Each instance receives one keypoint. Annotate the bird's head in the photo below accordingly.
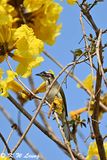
(46, 75)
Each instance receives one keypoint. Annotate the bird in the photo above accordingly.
(56, 92)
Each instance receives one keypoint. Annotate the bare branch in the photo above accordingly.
(63, 135)
(9, 137)
(85, 11)
(86, 44)
(98, 57)
(98, 136)
(4, 141)
(37, 103)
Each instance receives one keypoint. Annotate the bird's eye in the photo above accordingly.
(43, 73)
(47, 74)
(50, 75)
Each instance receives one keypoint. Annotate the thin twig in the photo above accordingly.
(81, 135)
(105, 70)
(98, 57)
(94, 3)
(84, 33)
(7, 141)
(37, 103)
(58, 64)
(89, 18)
(104, 31)
(64, 137)
(88, 50)
(86, 44)
(4, 141)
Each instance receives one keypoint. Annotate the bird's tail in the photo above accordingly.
(66, 129)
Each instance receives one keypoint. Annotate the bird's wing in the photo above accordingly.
(64, 100)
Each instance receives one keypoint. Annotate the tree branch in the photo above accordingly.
(98, 136)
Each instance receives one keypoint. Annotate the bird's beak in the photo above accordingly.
(38, 74)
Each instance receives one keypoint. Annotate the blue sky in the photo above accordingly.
(71, 34)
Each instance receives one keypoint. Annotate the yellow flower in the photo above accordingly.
(10, 84)
(4, 83)
(41, 88)
(5, 27)
(40, 15)
(6, 40)
(27, 51)
(26, 42)
(1, 73)
(103, 99)
(5, 13)
(88, 83)
(26, 64)
(4, 158)
(5, 34)
(71, 2)
(33, 5)
(26, 48)
(76, 113)
(57, 105)
(93, 151)
(43, 19)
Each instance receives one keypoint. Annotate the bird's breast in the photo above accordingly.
(52, 93)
